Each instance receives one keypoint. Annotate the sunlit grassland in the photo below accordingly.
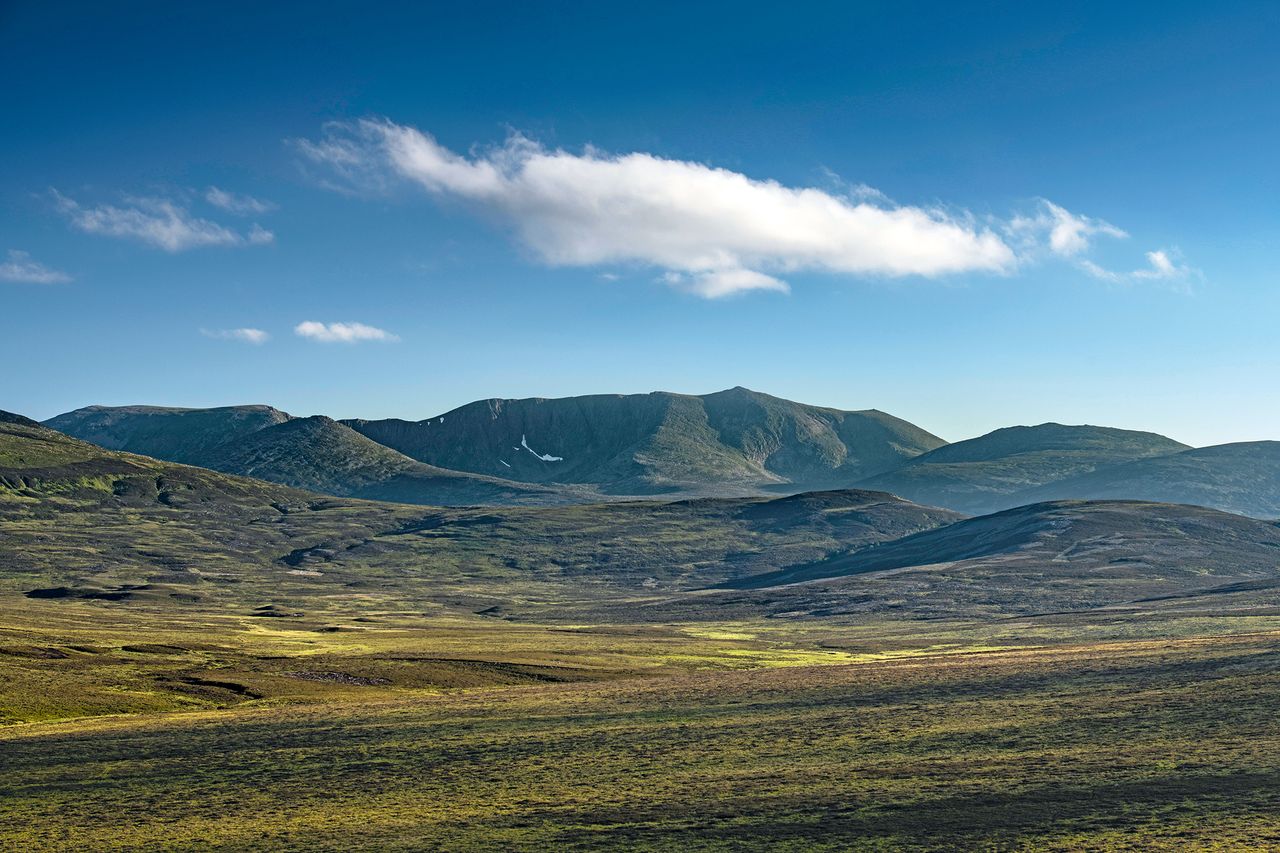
(1133, 743)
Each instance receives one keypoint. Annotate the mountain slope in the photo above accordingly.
(732, 442)
(987, 473)
(176, 435)
(1242, 478)
(321, 455)
(1050, 557)
(84, 522)
(314, 453)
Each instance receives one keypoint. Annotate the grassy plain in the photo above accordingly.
(191, 661)
(701, 738)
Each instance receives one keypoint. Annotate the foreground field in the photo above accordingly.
(1116, 744)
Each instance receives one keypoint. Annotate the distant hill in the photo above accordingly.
(990, 472)
(316, 453)
(1242, 478)
(321, 455)
(188, 436)
(1058, 556)
(732, 442)
(84, 522)
(11, 418)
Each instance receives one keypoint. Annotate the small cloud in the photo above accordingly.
(249, 336)
(718, 283)
(1162, 267)
(21, 268)
(1066, 234)
(158, 222)
(345, 333)
(240, 205)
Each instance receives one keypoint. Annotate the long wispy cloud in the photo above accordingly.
(711, 231)
(241, 205)
(1161, 266)
(21, 268)
(342, 333)
(158, 222)
(246, 335)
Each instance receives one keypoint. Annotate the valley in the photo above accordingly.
(841, 667)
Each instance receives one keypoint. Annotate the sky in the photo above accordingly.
(967, 215)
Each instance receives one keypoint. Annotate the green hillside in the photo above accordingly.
(93, 523)
(315, 453)
(987, 473)
(1045, 558)
(732, 442)
(1242, 478)
(321, 455)
(188, 436)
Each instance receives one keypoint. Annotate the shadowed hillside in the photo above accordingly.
(188, 436)
(1242, 477)
(987, 473)
(315, 453)
(1051, 557)
(321, 455)
(732, 441)
(91, 523)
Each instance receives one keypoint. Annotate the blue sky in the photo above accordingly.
(967, 216)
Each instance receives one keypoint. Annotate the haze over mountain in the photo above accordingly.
(987, 473)
(734, 441)
(1243, 477)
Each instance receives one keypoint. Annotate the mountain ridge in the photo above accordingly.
(985, 474)
(659, 442)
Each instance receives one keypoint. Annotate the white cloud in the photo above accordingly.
(346, 333)
(251, 336)
(1064, 233)
(1161, 267)
(21, 268)
(241, 205)
(156, 221)
(710, 231)
(717, 231)
(717, 283)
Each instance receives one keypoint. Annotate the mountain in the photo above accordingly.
(990, 472)
(321, 455)
(1242, 478)
(176, 435)
(1051, 557)
(11, 418)
(315, 453)
(87, 523)
(731, 442)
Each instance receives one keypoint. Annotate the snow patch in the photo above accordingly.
(545, 457)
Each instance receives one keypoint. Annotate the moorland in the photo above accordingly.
(211, 639)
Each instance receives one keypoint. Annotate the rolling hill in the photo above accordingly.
(732, 442)
(84, 522)
(1243, 478)
(989, 473)
(188, 436)
(321, 455)
(316, 453)
(1056, 557)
